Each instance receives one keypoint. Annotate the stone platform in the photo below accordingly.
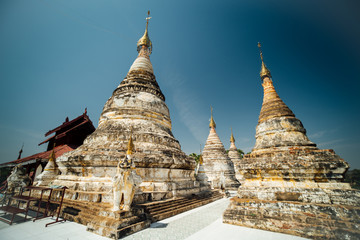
(101, 220)
(296, 192)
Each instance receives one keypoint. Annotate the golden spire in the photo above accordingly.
(52, 154)
(130, 145)
(265, 72)
(51, 165)
(232, 139)
(212, 122)
(201, 160)
(144, 41)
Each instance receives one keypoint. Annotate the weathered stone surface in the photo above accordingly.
(218, 167)
(315, 221)
(290, 185)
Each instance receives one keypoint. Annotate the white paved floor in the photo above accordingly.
(37, 231)
(200, 223)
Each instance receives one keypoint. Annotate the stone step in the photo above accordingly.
(188, 205)
(113, 228)
(159, 207)
(156, 204)
(186, 202)
(164, 209)
(86, 205)
(168, 203)
(115, 223)
(170, 213)
(175, 206)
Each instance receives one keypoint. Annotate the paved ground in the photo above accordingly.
(200, 223)
(204, 223)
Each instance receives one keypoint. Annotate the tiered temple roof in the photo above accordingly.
(70, 132)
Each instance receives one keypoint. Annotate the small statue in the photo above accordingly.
(17, 178)
(125, 181)
(123, 187)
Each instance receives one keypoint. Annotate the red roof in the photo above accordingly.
(59, 150)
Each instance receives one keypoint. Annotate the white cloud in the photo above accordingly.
(330, 144)
(322, 133)
(317, 134)
(186, 106)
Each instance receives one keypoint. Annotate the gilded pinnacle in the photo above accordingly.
(52, 156)
(265, 72)
(130, 149)
(212, 122)
(51, 165)
(232, 139)
(144, 41)
(201, 160)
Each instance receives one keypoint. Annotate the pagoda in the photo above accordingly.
(218, 167)
(137, 111)
(136, 105)
(290, 185)
(235, 157)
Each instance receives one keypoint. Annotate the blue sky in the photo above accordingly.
(58, 57)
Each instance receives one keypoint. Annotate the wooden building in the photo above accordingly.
(66, 137)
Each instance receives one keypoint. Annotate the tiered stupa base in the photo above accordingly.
(314, 221)
(89, 174)
(93, 189)
(221, 179)
(296, 190)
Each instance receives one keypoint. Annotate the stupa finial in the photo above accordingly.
(144, 42)
(52, 156)
(265, 72)
(212, 122)
(232, 139)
